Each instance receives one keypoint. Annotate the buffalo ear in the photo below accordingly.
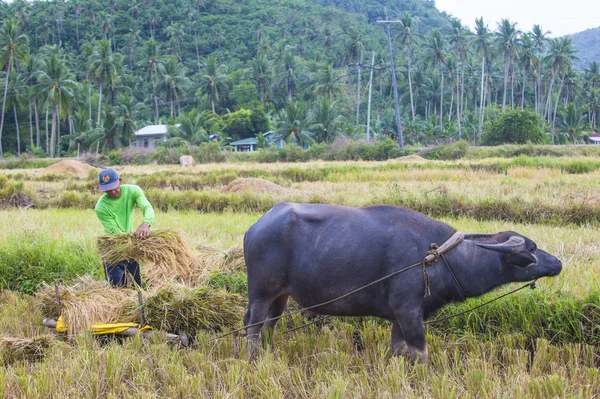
(513, 245)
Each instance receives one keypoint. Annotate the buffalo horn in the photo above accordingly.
(513, 245)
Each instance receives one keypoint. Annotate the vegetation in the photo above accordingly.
(297, 68)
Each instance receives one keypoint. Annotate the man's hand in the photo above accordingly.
(143, 231)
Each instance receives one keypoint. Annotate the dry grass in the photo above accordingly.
(88, 302)
(24, 349)
(178, 308)
(164, 255)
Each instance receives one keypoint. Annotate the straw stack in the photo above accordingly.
(177, 308)
(164, 253)
(88, 302)
(28, 349)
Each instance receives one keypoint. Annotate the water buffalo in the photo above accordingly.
(315, 253)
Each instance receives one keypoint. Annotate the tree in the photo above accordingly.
(55, 80)
(189, 130)
(572, 122)
(515, 126)
(152, 61)
(407, 38)
(561, 54)
(540, 38)
(526, 59)
(327, 82)
(292, 124)
(262, 74)
(172, 82)
(105, 66)
(507, 38)
(213, 81)
(435, 54)
(13, 47)
(326, 120)
(482, 39)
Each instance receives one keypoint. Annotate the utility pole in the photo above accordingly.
(369, 103)
(395, 87)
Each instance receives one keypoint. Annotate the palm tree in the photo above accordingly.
(176, 35)
(13, 47)
(189, 130)
(291, 72)
(327, 82)
(262, 74)
(352, 51)
(293, 123)
(561, 53)
(407, 38)
(592, 97)
(572, 122)
(172, 81)
(213, 81)
(105, 66)
(60, 89)
(592, 74)
(13, 100)
(435, 53)
(540, 37)
(526, 58)
(152, 60)
(459, 41)
(34, 64)
(482, 39)
(507, 38)
(326, 119)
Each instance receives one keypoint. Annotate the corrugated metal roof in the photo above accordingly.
(152, 130)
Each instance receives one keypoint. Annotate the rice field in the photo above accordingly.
(535, 344)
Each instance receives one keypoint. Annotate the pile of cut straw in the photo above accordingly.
(88, 302)
(164, 253)
(29, 349)
(177, 308)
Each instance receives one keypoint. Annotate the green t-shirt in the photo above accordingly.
(116, 215)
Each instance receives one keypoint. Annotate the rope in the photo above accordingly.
(530, 284)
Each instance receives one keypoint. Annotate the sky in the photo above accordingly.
(557, 16)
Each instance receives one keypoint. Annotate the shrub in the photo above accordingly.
(209, 153)
(448, 151)
(515, 126)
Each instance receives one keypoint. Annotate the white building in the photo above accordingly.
(147, 136)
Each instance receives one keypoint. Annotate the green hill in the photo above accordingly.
(588, 45)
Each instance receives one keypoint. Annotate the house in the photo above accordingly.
(147, 136)
(594, 138)
(251, 144)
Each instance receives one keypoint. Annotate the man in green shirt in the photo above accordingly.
(115, 210)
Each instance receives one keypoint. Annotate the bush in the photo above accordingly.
(516, 126)
(448, 151)
(209, 153)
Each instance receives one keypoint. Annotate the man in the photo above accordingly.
(115, 211)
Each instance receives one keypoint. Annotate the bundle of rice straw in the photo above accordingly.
(29, 349)
(177, 308)
(88, 302)
(164, 254)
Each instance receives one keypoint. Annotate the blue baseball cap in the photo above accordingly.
(108, 179)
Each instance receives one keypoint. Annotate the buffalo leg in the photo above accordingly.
(276, 310)
(398, 341)
(413, 330)
(257, 313)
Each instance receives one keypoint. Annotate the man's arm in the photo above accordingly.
(108, 222)
(142, 202)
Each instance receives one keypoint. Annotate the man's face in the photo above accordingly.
(115, 192)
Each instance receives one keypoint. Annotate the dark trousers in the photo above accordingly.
(115, 273)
